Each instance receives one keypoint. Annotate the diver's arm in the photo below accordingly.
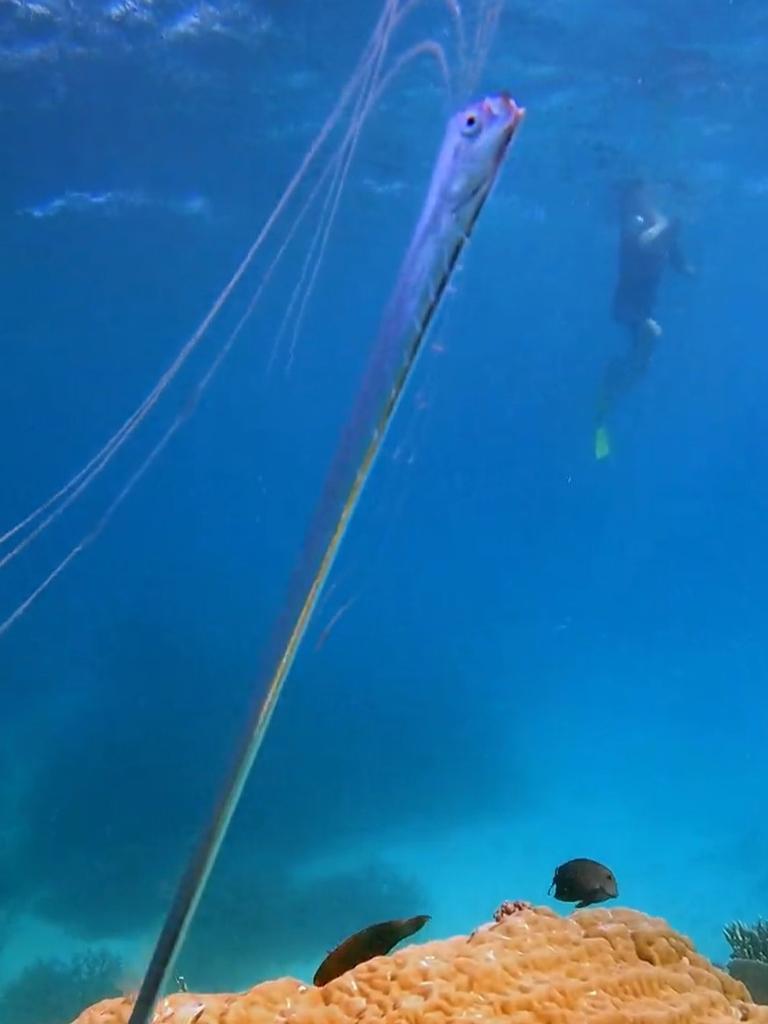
(649, 235)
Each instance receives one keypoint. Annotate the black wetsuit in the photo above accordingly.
(641, 266)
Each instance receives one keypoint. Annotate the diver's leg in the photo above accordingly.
(624, 373)
(617, 377)
(644, 342)
(613, 385)
(621, 375)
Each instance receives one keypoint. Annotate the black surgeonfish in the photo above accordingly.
(584, 882)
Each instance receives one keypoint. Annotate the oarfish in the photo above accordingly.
(474, 146)
(473, 149)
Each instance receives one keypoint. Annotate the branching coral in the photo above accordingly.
(529, 967)
(748, 942)
(53, 991)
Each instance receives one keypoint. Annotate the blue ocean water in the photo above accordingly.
(523, 654)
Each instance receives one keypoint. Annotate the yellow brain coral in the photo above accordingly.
(530, 967)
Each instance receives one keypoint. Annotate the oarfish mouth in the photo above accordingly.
(502, 105)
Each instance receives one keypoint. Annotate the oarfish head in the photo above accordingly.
(478, 137)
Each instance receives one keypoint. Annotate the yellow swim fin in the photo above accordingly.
(602, 443)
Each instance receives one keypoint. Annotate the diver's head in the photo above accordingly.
(477, 139)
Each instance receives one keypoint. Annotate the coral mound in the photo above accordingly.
(529, 967)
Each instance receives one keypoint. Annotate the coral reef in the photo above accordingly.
(748, 942)
(53, 991)
(530, 966)
(753, 974)
(749, 963)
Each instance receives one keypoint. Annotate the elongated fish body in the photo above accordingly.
(474, 146)
(376, 940)
(473, 149)
(467, 165)
(475, 143)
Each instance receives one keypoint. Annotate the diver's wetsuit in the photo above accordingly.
(641, 265)
(647, 244)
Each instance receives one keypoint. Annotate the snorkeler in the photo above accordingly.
(648, 242)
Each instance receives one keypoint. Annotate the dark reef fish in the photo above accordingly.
(583, 881)
(376, 940)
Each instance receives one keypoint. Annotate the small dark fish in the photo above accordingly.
(376, 940)
(585, 881)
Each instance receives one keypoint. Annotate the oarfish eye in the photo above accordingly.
(470, 125)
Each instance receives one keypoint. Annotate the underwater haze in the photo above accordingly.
(524, 653)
